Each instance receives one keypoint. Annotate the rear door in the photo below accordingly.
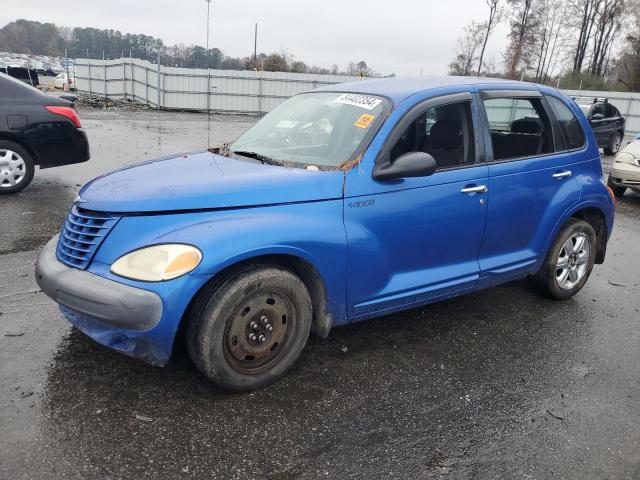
(530, 182)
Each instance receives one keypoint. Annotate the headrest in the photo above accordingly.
(445, 133)
(526, 125)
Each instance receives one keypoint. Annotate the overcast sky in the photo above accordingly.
(397, 36)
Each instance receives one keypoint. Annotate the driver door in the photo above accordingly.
(414, 240)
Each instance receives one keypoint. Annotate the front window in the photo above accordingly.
(320, 129)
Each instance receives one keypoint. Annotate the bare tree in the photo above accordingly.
(551, 38)
(495, 12)
(607, 26)
(524, 31)
(467, 47)
(586, 11)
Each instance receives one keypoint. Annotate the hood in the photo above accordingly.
(205, 180)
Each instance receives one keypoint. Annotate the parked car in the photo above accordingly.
(35, 129)
(61, 80)
(606, 122)
(625, 172)
(26, 75)
(346, 203)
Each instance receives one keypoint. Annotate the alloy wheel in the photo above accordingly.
(573, 261)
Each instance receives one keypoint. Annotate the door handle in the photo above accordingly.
(561, 175)
(478, 189)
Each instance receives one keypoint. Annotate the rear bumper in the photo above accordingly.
(73, 148)
(110, 303)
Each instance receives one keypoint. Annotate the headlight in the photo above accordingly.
(158, 263)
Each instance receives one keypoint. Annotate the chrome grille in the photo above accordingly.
(81, 235)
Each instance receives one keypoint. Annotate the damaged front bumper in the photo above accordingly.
(113, 314)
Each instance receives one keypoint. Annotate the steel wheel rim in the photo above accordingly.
(258, 331)
(573, 261)
(13, 168)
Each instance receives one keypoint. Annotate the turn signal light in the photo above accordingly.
(613, 196)
(68, 112)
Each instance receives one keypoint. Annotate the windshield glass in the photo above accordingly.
(585, 108)
(324, 129)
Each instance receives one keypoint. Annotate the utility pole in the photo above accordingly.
(255, 48)
(208, 78)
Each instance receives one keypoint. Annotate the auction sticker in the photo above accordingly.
(364, 121)
(363, 101)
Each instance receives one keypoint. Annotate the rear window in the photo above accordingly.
(572, 132)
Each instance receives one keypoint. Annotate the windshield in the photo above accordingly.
(585, 108)
(323, 129)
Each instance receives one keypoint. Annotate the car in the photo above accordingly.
(342, 204)
(625, 172)
(26, 75)
(35, 129)
(607, 123)
(61, 82)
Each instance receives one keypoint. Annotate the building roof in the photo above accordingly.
(399, 88)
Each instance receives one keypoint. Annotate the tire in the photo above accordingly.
(616, 189)
(13, 159)
(226, 315)
(549, 279)
(614, 146)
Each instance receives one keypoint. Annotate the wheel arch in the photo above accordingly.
(322, 319)
(15, 139)
(595, 217)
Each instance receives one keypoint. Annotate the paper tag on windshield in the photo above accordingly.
(364, 121)
(362, 101)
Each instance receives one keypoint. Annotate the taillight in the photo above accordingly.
(68, 112)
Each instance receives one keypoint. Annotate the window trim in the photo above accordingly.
(517, 94)
(585, 141)
(420, 108)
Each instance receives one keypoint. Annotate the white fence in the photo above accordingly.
(186, 89)
(233, 91)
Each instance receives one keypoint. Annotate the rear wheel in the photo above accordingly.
(617, 190)
(16, 167)
(614, 146)
(569, 262)
(245, 332)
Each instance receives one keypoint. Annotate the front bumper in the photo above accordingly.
(111, 303)
(115, 315)
(625, 175)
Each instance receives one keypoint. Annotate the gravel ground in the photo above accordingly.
(496, 384)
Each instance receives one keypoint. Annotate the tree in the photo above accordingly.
(607, 26)
(586, 11)
(523, 35)
(467, 47)
(495, 12)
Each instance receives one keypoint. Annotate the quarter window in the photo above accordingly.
(445, 132)
(569, 125)
(519, 128)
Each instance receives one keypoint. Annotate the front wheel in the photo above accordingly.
(617, 190)
(569, 262)
(246, 331)
(16, 167)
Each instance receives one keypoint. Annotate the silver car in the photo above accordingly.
(625, 172)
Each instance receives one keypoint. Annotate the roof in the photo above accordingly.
(399, 88)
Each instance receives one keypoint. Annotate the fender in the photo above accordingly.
(312, 231)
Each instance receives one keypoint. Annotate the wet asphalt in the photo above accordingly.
(497, 384)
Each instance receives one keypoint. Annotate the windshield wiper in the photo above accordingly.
(259, 157)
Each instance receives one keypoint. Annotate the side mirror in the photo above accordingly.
(597, 117)
(412, 164)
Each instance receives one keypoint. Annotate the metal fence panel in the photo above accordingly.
(244, 91)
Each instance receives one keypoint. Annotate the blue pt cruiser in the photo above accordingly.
(342, 204)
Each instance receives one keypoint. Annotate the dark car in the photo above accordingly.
(606, 122)
(35, 129)
(26, 75)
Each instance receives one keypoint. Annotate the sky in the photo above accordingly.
(404, 37)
